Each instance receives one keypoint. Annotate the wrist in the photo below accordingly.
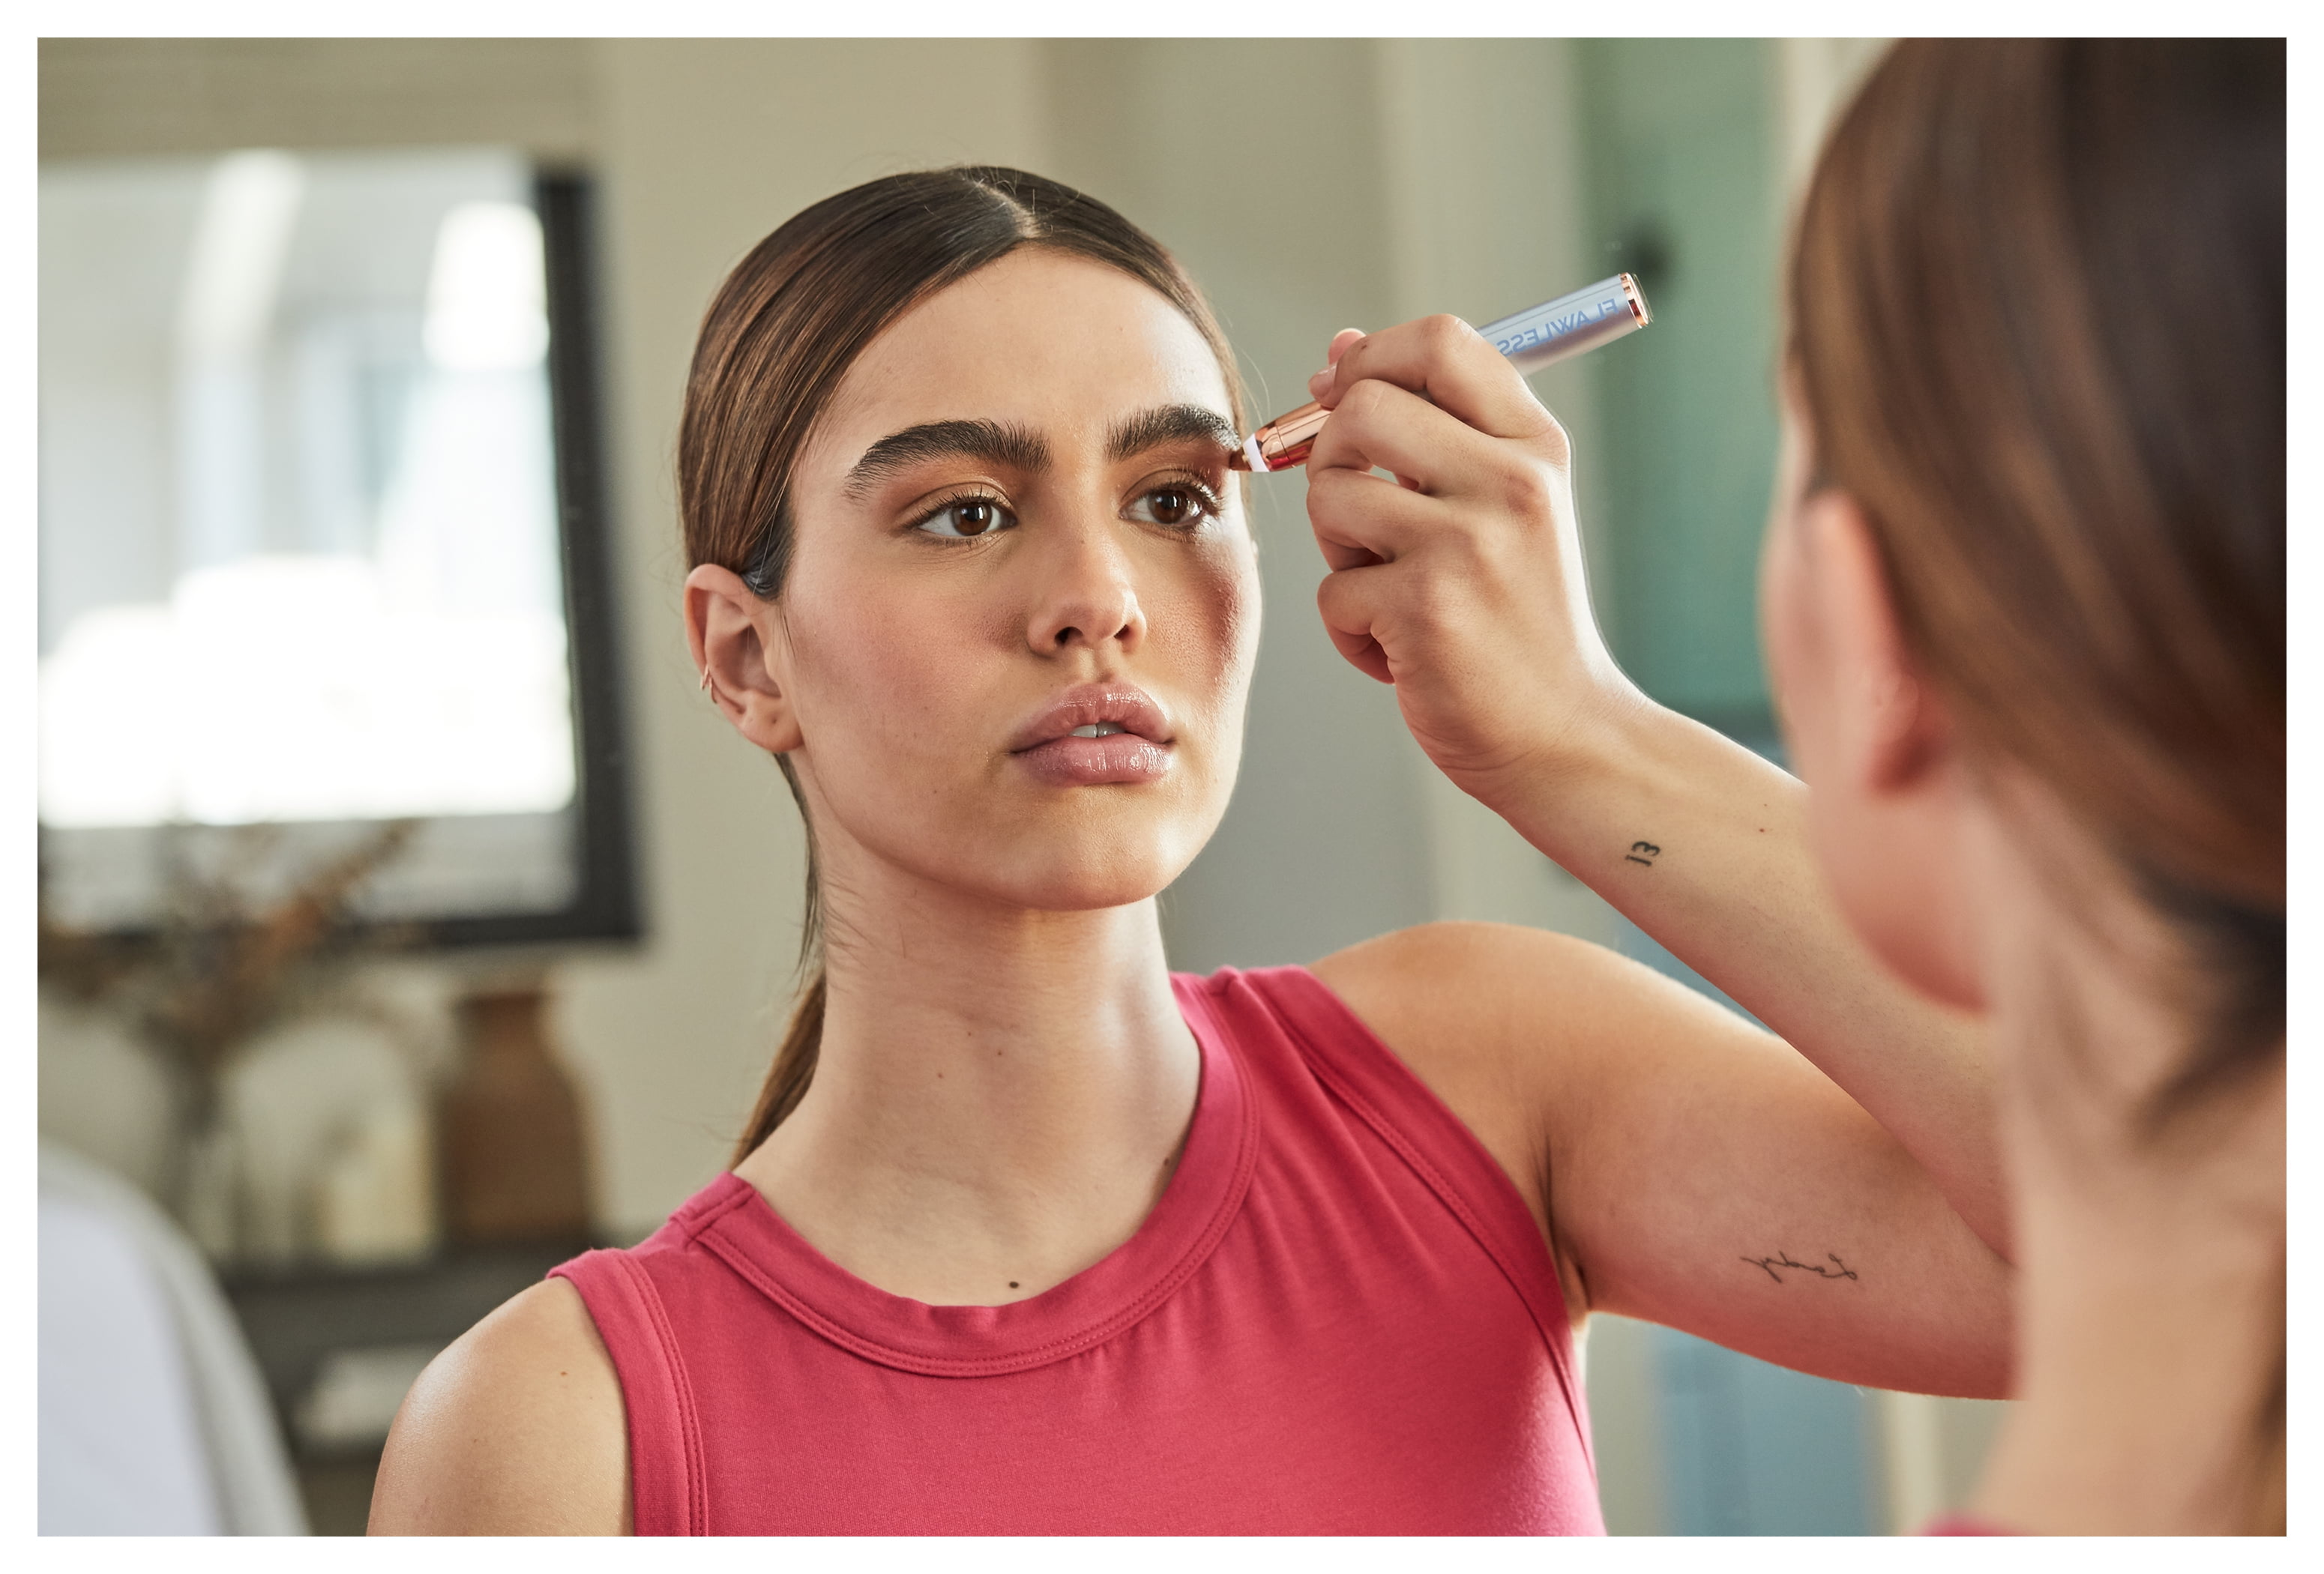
(1590, 744)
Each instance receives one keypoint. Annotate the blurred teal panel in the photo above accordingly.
(1753, 1450)
(1683, 192)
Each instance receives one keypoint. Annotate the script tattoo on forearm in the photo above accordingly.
(1839, 1270)
(1648, 849)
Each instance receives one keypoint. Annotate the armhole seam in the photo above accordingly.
(1557, 1333)
(656, 1395)
(695, 1490)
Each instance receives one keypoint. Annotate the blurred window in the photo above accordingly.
(300, 559)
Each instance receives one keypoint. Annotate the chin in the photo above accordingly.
(1066, 873)
(1078, 893)
(1039, 859)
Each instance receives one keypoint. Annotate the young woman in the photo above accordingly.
(2024, 611)
(1028, 1235)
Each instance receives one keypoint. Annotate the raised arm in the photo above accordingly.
(1687, 1167)
(1464, 587)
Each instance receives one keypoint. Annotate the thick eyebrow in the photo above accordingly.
(1168, 423)
(994, 442)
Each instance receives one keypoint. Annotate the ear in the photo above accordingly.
(738, 639)
(1893, 733)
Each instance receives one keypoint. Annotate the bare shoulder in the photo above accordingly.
(1467, 1007)
(518, 1428)
(1501, 1005)
(1473, 975)
(1513, 1029)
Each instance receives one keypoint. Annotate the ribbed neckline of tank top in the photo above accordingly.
(732, 1220)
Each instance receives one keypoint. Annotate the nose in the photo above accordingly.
(1087, 594)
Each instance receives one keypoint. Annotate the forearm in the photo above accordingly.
(1462, 584)
(1704, 845)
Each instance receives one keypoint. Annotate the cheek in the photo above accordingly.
(1872, 860)
(882, 667)
(1789, 642)
(1899, 883)
(1203, 620)
(1224, 603)
(1839, 824)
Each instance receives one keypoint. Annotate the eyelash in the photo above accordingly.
(1207, 499)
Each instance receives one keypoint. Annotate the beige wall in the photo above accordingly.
(167, 96)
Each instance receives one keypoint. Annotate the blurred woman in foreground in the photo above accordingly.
(2024, 602)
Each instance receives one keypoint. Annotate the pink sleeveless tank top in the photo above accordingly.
(1340, 1318)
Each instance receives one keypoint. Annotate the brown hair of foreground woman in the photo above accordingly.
(782, 331)
(2038, 304)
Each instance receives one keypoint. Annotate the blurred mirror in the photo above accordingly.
(301, 555)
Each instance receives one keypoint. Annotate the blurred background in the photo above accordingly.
(373, 986)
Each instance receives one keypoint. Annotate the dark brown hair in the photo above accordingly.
(2037, 317)
(778, 337)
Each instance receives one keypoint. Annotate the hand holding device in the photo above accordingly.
(1461, 581)
(1538, 336)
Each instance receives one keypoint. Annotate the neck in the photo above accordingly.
(2149, 1347)
(999, 1097)
(2151, 1286)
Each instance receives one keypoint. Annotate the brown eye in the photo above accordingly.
(1179, 507)
(966, 518)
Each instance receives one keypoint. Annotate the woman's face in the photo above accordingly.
(1018, 626)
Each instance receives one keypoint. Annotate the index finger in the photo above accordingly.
(1449, 363)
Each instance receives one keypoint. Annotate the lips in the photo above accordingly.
(1134, 742)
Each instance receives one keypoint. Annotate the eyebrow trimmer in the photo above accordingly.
(1531, 339)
